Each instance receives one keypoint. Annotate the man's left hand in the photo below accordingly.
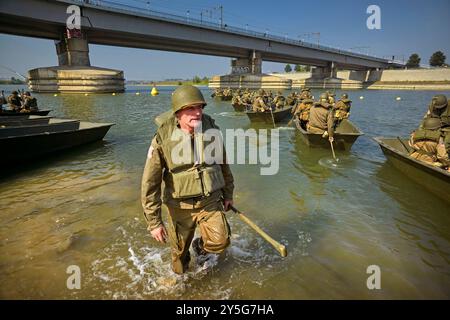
(227, 203)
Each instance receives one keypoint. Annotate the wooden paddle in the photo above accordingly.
(278, 246)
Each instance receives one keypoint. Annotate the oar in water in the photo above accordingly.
(278, 246)
(273, 120)
(290, 121)
(332, 149)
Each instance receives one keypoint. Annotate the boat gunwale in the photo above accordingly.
(408, 157)
(304, 132)
(101, 125)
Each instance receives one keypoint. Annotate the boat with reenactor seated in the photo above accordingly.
(270, 117)
(9, 113)
(434, 179)
(345, 135)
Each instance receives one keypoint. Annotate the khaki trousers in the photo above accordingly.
(213, 227)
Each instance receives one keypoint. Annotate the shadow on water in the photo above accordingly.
(93, 151)
(421, 219)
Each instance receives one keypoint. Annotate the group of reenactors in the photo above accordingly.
(430, 142)
(18, 101)
(224, 94)
(321, 117)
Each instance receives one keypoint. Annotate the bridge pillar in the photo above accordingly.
(74, 73)
(252, 64)
(330, 71)
(73, 52)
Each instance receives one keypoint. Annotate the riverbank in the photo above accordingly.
(415, 79)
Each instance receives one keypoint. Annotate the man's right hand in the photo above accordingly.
(159, 234)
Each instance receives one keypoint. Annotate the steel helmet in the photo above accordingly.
(431, 123)
(185, 96)
(439, 101)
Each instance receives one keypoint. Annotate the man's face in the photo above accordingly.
(191, 116)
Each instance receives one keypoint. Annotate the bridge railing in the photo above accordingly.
(125, 8)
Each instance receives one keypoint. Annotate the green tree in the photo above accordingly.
(298, 68)
(437, 59)
(413, 61)
(288, 68)
(196, 79)
(16, 81)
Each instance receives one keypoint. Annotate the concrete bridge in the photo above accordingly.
(120, 25)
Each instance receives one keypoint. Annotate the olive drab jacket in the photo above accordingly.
(321, 119)
(444, 116)
(302, 111)
(428, 146)
(259, 105)
(187, 185)
(342, 109)
(30, 103)
(14, 102)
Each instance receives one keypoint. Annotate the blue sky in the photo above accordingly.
(407, 26)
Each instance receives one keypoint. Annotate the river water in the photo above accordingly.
(82, 208)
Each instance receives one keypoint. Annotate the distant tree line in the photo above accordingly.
(12, 81)
(437, 59)
(297, 68)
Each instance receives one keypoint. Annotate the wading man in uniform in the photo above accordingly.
(196, 193)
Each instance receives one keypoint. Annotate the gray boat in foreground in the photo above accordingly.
(434, 179)
(20, 143)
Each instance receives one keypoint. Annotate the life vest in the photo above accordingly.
(429, 135)
(445, 117)
(189, 179)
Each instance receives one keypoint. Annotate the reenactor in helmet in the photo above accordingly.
(302, 111)
(2, 100)
(291, 99)
(342, 108)
(428, 144)
(279, 100)
(331, 96)
(259, 103)
(14, 101)
(321, 118)
(305, 94)
(439, 108)
(196, 192)
(29, 103)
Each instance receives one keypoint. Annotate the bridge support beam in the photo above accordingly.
(330, 71)
(252, 64)
(73, 52)
(326, 78)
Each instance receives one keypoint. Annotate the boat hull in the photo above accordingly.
(25, 147)
(266, 117)
(19, 114)
(344, 136)
(435, 180)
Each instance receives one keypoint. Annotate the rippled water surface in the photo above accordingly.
(82, 208)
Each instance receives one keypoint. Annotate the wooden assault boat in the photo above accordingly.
(435, 180)
(344, 136)
(278, 115)
(20, 143)
(9, 113)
